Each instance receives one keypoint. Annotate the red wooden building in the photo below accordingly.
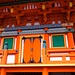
(37, 37)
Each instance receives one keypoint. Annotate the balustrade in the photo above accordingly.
(51, 56)
(63, 56)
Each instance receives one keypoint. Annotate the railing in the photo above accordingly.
(51, 56)
(62, 56)
(5, 53)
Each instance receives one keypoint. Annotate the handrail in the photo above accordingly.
(61, 55)
(9, 51)
(60, 50)
(5, 53)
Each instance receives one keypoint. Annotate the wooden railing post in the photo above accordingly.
(44, 56)
(5, 54)
(44, 52)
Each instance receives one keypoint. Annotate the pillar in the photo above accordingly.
(45, 47)
(46, 37)
(17, 48)
(70, 40)
(44, 56)
(45, 71)
(47, 40)
(71, 43)
(3, 71)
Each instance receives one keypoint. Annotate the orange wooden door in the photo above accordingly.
(32, 49)
(27, 52)
(36, 50)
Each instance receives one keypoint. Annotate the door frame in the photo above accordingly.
(29, 36)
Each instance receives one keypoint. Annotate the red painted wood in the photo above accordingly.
(27, 51)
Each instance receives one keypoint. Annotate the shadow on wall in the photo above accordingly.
(30, 73)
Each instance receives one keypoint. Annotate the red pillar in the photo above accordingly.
(46, 37)
(71, 43)
(3, 72)
(70, 40)
(17, 48)
(45, 71)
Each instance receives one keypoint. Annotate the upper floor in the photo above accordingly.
(37, 13)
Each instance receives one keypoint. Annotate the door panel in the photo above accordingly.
(36, 51)
(27, 52)
(32, 49)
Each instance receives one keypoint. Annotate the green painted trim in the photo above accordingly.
(58, 40)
